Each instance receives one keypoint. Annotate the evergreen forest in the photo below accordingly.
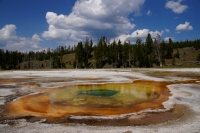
(149, 53)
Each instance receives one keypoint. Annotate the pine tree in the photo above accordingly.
(119, 54)
(169, 49)
(149, 51)
(101, 52)
(163, 49)
(130, 55)
(125, 54)
(149, 43)
(98, 54)
(87, 52)
(140, 53)
(114, 53)
(79, 55)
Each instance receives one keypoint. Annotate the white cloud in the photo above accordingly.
(8, 32)
(142, 34)
(149, 13)
(10, 41)
(92, 18)
(167, 30)
(167, 39)
(176, 6)
(122, 38)
(185, 26)
(35, 37)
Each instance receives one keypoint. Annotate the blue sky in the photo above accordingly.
(38, 24)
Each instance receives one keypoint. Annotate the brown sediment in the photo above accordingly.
(14, 80)
(142, 119)
(40, 105)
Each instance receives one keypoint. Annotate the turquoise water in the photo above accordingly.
(98, 92)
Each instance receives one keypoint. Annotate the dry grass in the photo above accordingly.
(187, 55)
(68, 59)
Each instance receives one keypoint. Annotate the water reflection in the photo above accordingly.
(101, 95)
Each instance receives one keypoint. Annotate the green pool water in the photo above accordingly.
(98, 92)
(101, 95)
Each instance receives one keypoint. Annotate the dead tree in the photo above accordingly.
(157, 49)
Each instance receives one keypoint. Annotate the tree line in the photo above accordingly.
(119, 54)
(50, 58)
(116, 54)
